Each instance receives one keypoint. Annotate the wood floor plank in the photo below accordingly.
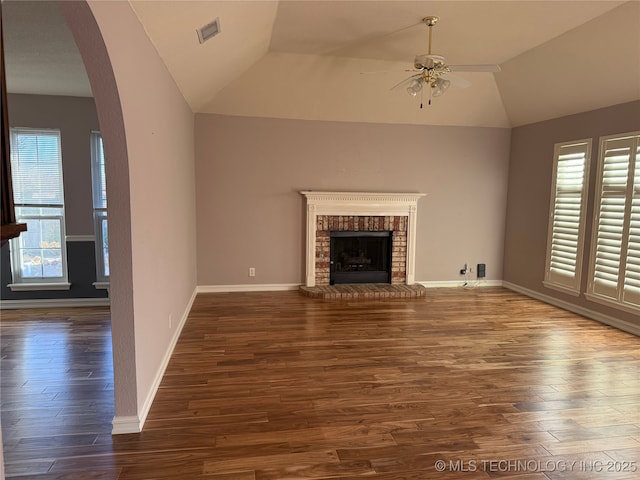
(275, 385)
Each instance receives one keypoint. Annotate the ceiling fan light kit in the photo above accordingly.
(433, 71)
(440, 86)
(415, 86)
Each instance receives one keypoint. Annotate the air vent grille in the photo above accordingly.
(209, 31)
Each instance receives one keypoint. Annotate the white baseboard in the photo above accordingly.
(461, 284)
(277, 287)
(54, 303)
(585, 312)
(135, 424)
(130, 424)
(254, 287)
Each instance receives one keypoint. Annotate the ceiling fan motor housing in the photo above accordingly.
(428, 61)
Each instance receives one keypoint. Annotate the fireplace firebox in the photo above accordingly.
(360, 257)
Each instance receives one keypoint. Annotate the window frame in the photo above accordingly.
(99, 210)
(631, 194)
(558, 280)
(19, 281)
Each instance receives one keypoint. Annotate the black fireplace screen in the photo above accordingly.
(360, 257)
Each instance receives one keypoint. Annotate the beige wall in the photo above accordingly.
(250, 214)
(159, 132)
(148, 133)
(530, 177)
(76, 118)
(558, 78)
(91, 45)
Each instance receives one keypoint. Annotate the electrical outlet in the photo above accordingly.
(170, 320)
(482, 270)
(252, 272)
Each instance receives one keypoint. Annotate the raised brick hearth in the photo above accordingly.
(364, 291)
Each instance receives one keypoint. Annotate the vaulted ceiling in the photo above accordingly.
(312, 59)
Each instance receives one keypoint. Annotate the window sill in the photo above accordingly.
(101, 285)
(626, 307)
(28, 287)
(561, 288)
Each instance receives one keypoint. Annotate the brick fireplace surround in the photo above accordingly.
(397, 225)
(361, 211)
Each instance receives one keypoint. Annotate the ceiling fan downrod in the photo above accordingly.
(430, 21)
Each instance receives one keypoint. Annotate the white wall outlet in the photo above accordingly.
(252, 272)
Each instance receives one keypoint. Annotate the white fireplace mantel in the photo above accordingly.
(361, 204)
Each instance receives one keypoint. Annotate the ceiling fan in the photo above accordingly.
(434, 73)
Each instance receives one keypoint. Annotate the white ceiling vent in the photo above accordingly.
(209, 31)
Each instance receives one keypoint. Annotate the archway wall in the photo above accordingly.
(148, 132)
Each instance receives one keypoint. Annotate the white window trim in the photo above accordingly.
(562, 288)
(21, 283)
(617, 303)
(80, 238)
(97, 222)
(99, 213)
(581, 146)
(26, 287)
(15, 261)
(602, 300)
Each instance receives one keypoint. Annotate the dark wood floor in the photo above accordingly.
(280, 386)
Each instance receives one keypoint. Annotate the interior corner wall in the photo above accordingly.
(76, 118)
(530, 176)
(249, 172)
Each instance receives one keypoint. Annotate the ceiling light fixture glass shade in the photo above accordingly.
(415, 86)
(439, 87)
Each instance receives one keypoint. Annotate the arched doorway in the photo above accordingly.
(86, 32)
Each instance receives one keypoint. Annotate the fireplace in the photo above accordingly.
(332, 215)
(360, 257)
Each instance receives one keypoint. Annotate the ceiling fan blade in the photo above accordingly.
(474, 68)
(457, 81)
(391, 71)
(378, 71)
(379, 37)
(406, 81)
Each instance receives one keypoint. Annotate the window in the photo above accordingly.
(38, 256)
(615, 257)
(100, 207)
(567, 216)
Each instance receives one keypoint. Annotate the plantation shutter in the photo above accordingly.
(616, 242)
(36, 167)
(631, 293)
(566, 219)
